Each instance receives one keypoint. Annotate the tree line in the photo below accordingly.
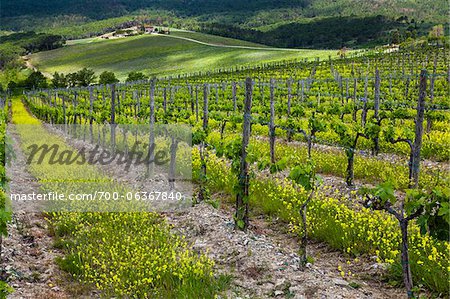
(83, 77)
(328, 33)
(17, 44)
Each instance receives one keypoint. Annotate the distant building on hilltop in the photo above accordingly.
(150, 29)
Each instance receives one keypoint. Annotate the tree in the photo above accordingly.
(12, 85)
(136, 76)
(72, 79)
(85, 77)
(436, 33)
(342, 53)
(107, 78)
(59, 80)
(35, 80)
(9, 55)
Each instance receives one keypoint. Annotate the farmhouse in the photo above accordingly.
(150, 29)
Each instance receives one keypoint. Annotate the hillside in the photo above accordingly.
(181, 52)
(100, 9)
(267, 20)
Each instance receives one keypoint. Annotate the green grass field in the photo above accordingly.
(213, 39)
(162, 55)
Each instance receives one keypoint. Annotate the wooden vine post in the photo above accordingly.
(138, 103)
(289, 87)
(64, 113)
(173, 159)
(118, 106)
(91, 111)
(355, 95)
(347, 89)
(432, 79)
(407, 86)
(50, 103)
(191, 96)
(417, 146)
(165, 100)
(172, 95)
(234, 96)
(113, 117)
(151, 142)
(196, 103)
(363, 114)
(272, 122)
(203, 193)
(302, 98)
(72, 120)
(376, 139)
(448, 75)
(205, 107)
(217, 93)
(241, 217)
(390, 84)
(261, 91)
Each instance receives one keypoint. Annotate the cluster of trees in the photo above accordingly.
(33, 42)
(34, 80)
(86, 77)
(207, 9)
(9, 56)
(329, 33)
(100, 9)
(335, 32)
(83, 77)
(14, 45)
(437, 34)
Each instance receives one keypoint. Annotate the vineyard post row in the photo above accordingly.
(415, 145)
(48, 101)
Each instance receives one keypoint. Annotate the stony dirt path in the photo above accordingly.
(264, 261)
(28, 251)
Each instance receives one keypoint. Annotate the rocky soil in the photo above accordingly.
(265, 264)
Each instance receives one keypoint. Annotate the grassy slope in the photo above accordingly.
(202, 37)
(160, 55)
(214, 39)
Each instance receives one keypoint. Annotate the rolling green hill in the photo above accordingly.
(162, 55)
(266, 20)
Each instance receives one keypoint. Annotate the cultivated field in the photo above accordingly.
(162, 55)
